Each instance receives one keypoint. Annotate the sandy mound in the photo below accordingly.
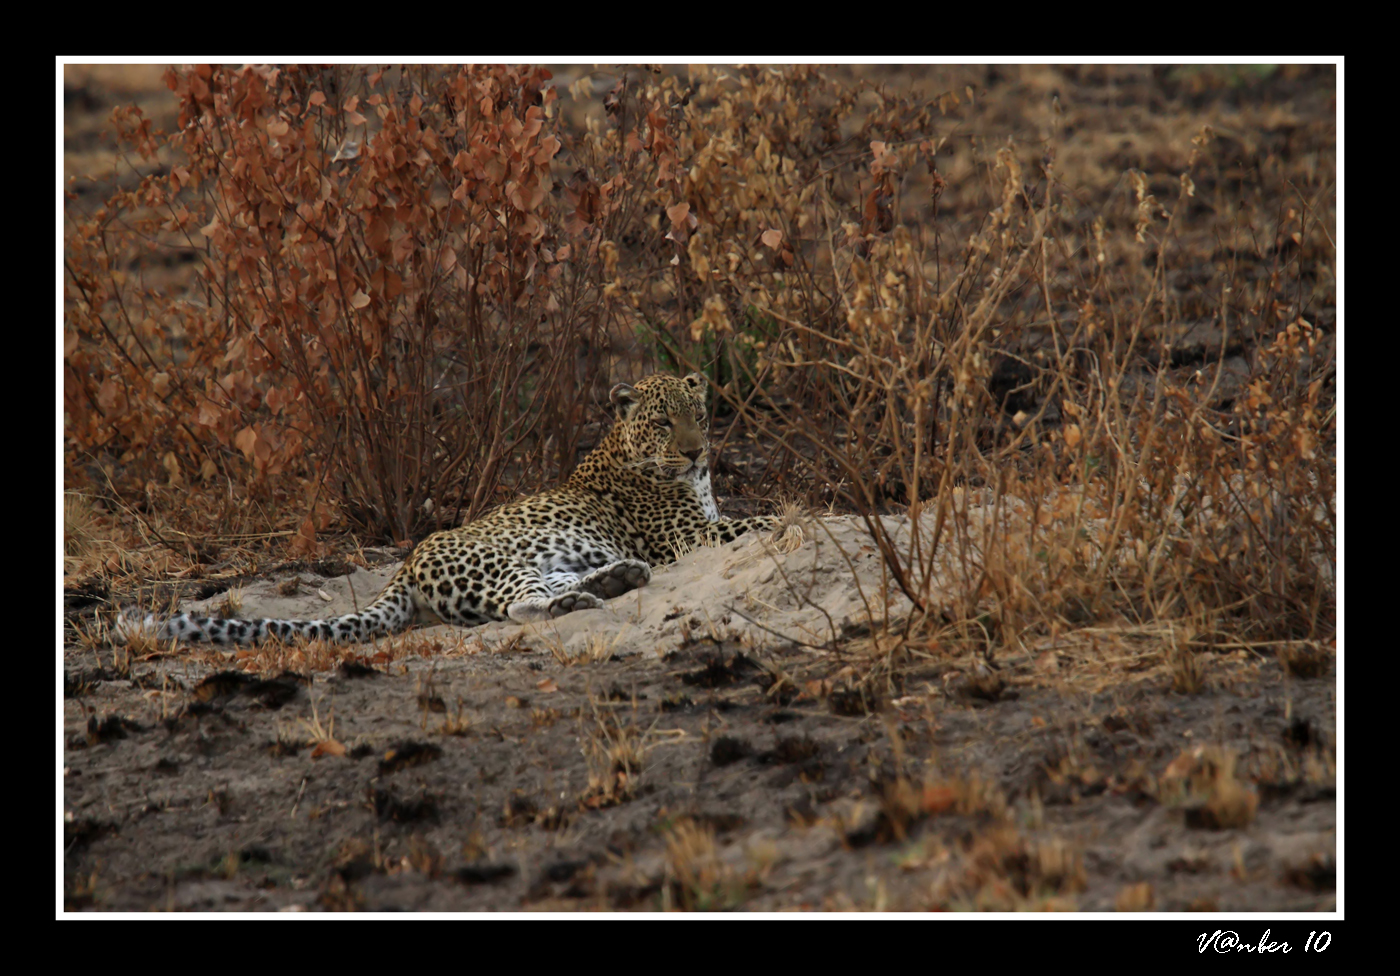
(835, 576)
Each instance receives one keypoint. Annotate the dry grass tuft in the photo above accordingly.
(1006, 871)
(92, 542)
(79, 527)
(1305, 659)
(1136, 898)
(596, 649)
(614, 752)
(697, 878)
(1188, 671)
(1201, 782)
(231, 605)
(792, 529)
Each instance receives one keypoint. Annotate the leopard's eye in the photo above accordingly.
(662, 422)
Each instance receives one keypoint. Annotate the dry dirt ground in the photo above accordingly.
(705, 742)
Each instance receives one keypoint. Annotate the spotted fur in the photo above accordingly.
(640, 499)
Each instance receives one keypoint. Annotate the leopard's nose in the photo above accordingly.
(694, 453)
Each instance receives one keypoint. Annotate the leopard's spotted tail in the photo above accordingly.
(390, 613)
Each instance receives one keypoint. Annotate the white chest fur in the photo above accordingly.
(698, 477)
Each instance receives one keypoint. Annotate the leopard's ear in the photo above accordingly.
(626, 396)
(695, 381)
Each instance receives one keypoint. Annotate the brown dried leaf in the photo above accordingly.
(246, 440)
(327, 747)
(304, 542)
(938, 799)
(677, 214)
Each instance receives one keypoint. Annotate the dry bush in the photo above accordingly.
(1082, 421)
(1026, 348)
(1141, 503)
(385, 301)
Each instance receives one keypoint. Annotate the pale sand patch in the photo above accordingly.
(836, 576)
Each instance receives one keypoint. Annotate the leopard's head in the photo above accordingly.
(663, 428)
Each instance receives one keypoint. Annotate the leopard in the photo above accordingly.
(641, 498)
